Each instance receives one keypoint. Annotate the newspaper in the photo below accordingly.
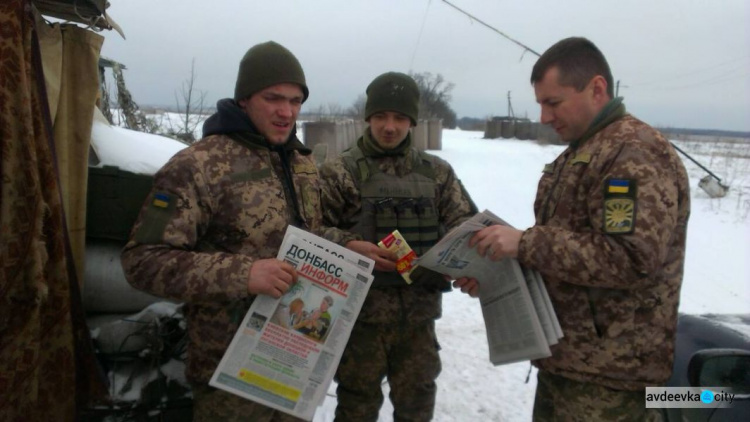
(518, 315)
(286, 351)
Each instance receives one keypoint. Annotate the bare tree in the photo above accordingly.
(190, 108)
(357, 109)
(335, 110)
(434, 98)
(328, 112)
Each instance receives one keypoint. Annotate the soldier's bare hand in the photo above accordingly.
(467, 285)
(270, 277)
(497, 242)
(384, 260)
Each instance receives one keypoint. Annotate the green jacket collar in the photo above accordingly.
(612, 111)
(370, 147)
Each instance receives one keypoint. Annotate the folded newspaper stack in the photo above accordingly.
(518, 315)
(286, 351)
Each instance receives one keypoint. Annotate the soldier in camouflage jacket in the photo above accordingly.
(609, 239)
(380, 184)
(209, 232)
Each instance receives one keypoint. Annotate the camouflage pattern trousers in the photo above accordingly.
(406, 354)
(211, 404)
(561, 399)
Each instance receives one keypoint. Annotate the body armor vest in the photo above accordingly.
(389, 202)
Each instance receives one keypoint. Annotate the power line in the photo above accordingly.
(712, 80)
(708, 82)
(683, 75)
(419, 38)
(491, 27)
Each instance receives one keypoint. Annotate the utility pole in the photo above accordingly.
(510, 107)
(617, 88)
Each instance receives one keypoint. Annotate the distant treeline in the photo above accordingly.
(159, 109)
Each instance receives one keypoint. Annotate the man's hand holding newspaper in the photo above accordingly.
(497, 242)
(518, 315)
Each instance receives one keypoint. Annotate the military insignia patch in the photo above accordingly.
(156, 217)
(618, 186)
(581, 158)
(619, 215)
(619, 206)
(305, 168)
(161, 200)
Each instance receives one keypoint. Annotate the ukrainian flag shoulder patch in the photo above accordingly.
(161, 200)
(618, 186)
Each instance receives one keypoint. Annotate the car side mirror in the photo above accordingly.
(721, 368)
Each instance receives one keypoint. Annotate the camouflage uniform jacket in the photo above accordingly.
(342, 208)
(215, 208)
(609, 239)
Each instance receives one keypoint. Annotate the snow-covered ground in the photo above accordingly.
(501, 175)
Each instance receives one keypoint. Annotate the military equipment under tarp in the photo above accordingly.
(106, 289)
(113, 202)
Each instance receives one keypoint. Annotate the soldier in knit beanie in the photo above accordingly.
(265, 65)
(380, 185)
(393, 91)
(219, 208)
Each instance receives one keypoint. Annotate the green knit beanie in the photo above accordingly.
(265, 65)
(393, 91)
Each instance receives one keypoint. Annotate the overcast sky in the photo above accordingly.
(681, 63)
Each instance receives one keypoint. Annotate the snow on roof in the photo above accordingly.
(137, 152)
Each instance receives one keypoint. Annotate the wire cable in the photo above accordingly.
(715, 80)
(683, 75)
(491, 27)
(419, 37)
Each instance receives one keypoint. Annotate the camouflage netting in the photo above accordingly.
(134, 117)
(105, 99)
